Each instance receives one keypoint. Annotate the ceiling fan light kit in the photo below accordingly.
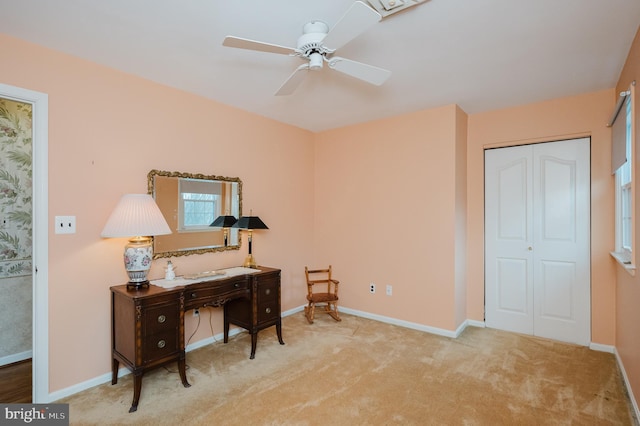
(315, 61)
(317, 45)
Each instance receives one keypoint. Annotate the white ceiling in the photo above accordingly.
(479, 54)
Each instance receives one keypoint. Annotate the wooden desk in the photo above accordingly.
(147, 325)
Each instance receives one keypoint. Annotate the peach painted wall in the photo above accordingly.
(628, 286)
(107, 129)
(386, 212)
(566, 118)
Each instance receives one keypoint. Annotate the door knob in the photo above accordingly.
(530, 248)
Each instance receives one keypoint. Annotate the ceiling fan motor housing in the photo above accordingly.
(310, 43)
(315, 27)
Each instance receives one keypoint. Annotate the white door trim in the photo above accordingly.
(40, 273)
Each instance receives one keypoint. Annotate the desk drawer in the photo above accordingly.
(159, 345)
(208, 295)
(160, 331)
(268, 311)
(160, 319)
(268, 291)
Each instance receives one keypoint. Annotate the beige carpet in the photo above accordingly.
(362, 372)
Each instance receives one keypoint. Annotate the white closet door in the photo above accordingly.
(509, 239)
(537, 239)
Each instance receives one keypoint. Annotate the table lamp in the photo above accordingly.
(138, 217)
(224, 222)
(250, 223)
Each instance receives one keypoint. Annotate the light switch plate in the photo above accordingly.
(65, 224)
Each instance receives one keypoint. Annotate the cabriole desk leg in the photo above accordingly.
(114, 371)
(254, 343)
(183, 373)
(226, 329)
(279, 332)
(137, 387)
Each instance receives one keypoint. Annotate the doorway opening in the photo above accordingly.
(39, 235)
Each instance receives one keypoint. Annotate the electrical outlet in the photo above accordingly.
(65, 224)
(196, 312)
(372, 288)
(389, 289)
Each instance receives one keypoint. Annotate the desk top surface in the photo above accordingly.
(179, 283)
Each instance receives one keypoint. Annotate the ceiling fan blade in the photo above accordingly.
(294, 80)
(245, 43)
(368, 73)
(357, 20)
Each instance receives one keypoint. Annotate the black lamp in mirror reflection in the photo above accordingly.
(224, 222)
(250, 223)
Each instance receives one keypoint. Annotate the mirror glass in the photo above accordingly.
(190, 203)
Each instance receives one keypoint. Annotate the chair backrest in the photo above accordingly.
(321, 276)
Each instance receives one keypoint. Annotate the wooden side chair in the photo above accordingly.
(321, 289)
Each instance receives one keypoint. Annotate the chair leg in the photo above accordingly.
(309, 311)
(333, 312)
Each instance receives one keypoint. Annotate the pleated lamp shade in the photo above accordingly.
(136, 215)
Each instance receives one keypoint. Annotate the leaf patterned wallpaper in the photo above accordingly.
(15, 188)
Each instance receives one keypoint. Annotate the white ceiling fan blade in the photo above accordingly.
(245, 43)
(357, 20)
(368, 73)
(294, 80)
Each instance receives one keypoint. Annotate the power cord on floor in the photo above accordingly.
(213, 335)
(194, 331)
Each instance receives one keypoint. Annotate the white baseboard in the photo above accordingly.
(407, 324)
(402, 323)
(10, 359)
(82, 386)
(627, 384)
(602, 348)
(293, 311)
(475, 323)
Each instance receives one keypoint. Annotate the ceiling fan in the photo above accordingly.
(318, 44)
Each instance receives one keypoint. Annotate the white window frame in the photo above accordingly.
(625, 184)
(197, 191)
(208, 202)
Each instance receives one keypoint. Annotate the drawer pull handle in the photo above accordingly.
(237, 285)
(162, 319)
(268, 310)
(194, 295)
(162, 344)
(267, 291)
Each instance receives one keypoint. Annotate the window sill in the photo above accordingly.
(624, 261)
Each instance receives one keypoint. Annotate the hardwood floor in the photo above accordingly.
(16, 383)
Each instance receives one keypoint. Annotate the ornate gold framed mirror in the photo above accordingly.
(190, 203)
